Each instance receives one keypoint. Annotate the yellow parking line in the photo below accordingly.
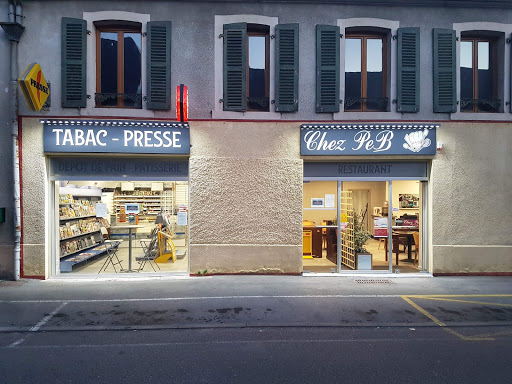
(464, 301)
(495, 295)
(494, 334)
(431, 317)
(441, 324)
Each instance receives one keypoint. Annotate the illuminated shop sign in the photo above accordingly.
(371, 139)
(104, 168)
(83, 136)
(381, 170)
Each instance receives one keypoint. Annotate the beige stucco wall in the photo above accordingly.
(245, 198)
(472, 199)
(34, 190)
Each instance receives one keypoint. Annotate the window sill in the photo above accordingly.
(468, 116)
(122, 112)
(249, 115)
(389, 115)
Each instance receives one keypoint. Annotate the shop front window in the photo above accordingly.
(113, 226)
(348, 230)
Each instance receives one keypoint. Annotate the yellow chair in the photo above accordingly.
(166, 248)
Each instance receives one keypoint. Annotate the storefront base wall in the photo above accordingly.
(245, 215)
(33, 260)
(33, 193)
(246, 259)
(6, 261)
(472, 259)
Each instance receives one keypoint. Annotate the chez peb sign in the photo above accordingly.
(104, 136)
(368, 139)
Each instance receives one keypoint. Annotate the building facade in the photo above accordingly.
(298, 113)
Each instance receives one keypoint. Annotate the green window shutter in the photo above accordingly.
(445, 91)
(235, 67)
(158, 57)
(287, 68)
(74, 63)
(408, 70)
(327, 68)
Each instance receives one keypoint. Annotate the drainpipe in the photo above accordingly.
(14, 30)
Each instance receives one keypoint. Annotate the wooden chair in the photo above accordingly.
(416, 236)
(396, 244)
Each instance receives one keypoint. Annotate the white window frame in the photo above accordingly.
(392, 26)
(505, 85)
(90, 18)
(218, 112)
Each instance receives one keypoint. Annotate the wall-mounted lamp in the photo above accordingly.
(439, 145)
(182, 103)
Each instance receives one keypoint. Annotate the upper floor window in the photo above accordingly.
(257, 74)
(365, 72)
(355, 71)
(478, 74)
(118, 65)
(114, 70)
(258, 40)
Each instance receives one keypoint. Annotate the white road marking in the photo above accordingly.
(16, 343)
(205, 298)
(47, 318)
(203, 343)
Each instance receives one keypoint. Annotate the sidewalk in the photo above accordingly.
(254, 301)
(240, 285)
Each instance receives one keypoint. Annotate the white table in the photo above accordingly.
(130, 228)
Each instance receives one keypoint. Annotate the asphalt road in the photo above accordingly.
(257, 330)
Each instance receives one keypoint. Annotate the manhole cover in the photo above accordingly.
(372, 281)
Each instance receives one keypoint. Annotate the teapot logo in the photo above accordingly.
(416, 141)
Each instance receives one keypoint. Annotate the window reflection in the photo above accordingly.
(353, 73)
(109, 65)
(257, 76)
(132, 67)
(374, 74)
(485, 76)
(466, 73)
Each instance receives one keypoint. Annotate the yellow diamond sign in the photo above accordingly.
(34, 86)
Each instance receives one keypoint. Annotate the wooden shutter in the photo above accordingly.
(158, 57)
(445, 92)
(327, 68)
(74, 63)
(287, 68)
(408, 70)
(235, 67)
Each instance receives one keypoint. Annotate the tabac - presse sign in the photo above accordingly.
(104, 136)
(34, 87)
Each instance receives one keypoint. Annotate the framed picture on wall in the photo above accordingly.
(317, 202)
(410, 200)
